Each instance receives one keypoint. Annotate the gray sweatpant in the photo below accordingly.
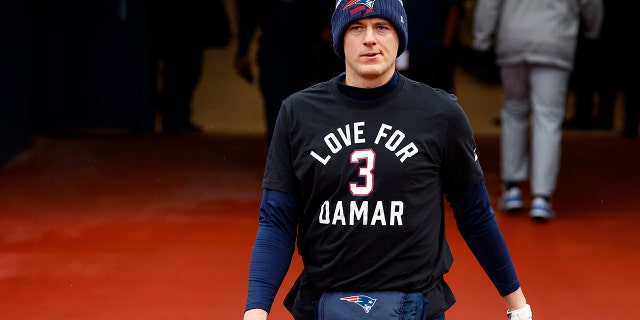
(534, 95)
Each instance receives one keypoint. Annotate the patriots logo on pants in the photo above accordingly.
(364, 301)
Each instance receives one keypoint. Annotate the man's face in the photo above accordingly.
(370, 50)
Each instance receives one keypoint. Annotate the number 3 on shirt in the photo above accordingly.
(364, 171)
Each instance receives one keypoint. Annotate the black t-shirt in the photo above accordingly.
(371, 178)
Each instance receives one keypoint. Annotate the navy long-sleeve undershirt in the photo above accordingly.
(476, 222)
(273, 248)
(275, 241)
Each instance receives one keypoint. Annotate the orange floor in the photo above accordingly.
(153, 227)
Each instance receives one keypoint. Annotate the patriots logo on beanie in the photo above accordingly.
(354, 10)
(361, 5)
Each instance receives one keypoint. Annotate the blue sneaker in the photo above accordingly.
(511, 200)
(541, 210)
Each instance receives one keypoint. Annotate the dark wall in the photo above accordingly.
(93, 66)
(16, 129)
(72, 65)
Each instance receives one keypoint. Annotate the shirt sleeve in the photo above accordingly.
(273, 248)
(476, 222)
(461, 167)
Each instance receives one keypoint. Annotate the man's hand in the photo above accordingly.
(255, 314)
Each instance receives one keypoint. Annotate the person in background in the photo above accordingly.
(431, 51)
(180, 32)
(605, 67)
(590, 81)
(290, 31)
(535, 43)
(357, 175)
(596, 64)
(325, 61)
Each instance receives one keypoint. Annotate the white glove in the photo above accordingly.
(523, 313)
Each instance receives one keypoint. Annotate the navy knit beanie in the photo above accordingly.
(350, 11)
